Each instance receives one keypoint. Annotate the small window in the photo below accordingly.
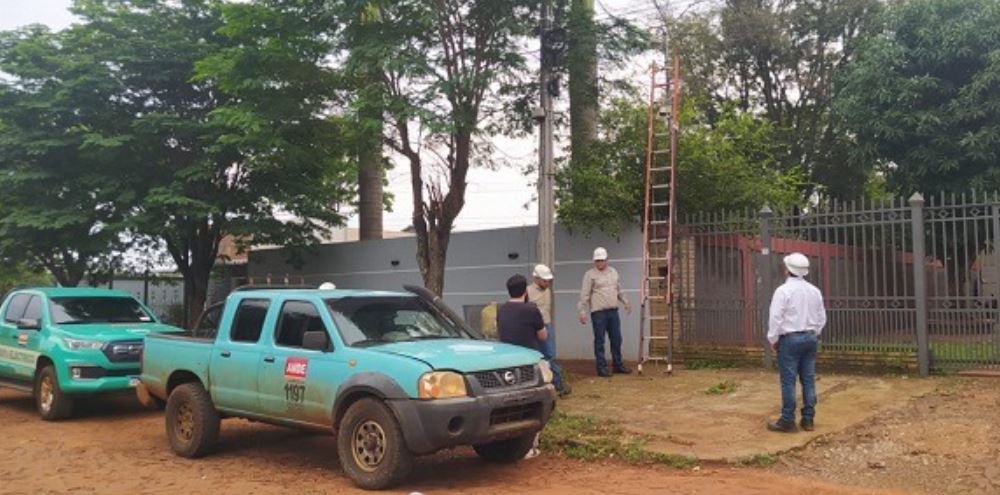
(34, 309)
(297, 318)
(15, 310)
(208, 324)
(249, 320)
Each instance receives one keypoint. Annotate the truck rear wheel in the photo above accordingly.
(371, 447)
(506, 451)
(51, 402)
(192, 421)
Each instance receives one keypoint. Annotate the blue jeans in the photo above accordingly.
(548, 350)
(797, 358)
(607, 322)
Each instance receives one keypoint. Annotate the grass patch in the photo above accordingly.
(759, 460)
(589, 439)
(723, 387)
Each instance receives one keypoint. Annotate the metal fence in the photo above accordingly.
(917, 277)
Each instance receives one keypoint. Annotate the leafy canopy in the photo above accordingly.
(923, 96)
(726, 164)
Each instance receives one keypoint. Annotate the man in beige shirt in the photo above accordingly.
(540, 293)
(600, 297)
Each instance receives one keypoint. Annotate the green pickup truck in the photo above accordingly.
(392, 375)
(64, 343)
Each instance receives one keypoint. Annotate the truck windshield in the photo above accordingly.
(365, 321)
(82, 310)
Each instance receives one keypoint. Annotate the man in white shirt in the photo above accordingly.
(796, 319)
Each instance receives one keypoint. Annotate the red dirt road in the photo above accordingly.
(115, 447)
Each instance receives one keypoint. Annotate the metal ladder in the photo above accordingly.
(656, 322)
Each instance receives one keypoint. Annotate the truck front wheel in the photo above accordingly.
(51, 402)
(506, 451)
(371, 447)
(192, 421)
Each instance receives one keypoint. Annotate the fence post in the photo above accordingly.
(145, 287)
(920, 282)
(995, 253)
(765, 266)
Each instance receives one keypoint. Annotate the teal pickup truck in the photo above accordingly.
(393, 375)
(63, 343)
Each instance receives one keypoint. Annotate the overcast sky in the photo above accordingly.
(494, 199)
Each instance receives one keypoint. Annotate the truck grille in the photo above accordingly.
(514, 414)
(506, 377)
(123, 351)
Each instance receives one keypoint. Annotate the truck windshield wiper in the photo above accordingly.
(434, 337)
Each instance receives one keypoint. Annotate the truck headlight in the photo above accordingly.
(441, 385)
(546, 371)
(78, 344)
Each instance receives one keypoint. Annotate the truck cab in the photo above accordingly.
(64, 343)
(393, 375)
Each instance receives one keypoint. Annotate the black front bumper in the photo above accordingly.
(431, 425)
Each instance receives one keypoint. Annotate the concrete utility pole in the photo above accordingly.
(546, 167)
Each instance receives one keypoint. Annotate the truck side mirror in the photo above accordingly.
(316, 341)
(29, 324)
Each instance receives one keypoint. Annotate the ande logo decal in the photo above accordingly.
(296, 368)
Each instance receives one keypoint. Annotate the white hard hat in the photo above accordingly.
(327, 286)
(600, 254)
(543, 272)
(797, 264)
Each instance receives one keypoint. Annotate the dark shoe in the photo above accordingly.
(807, 425)
(565, 390)
(781, 426)
(604, 373)
(623, 370)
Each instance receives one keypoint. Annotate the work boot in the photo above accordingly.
(623, 370)
(603, 373)
(806, 424)
(782, 426)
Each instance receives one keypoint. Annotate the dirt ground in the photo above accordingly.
(678, 415)
(942, 443)
(114, 447)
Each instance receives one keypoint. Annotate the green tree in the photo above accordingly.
(446, 69)
(780, 60)
(730, 163)
(59, 212)
(923, 96)
(227, 149)
(13, 274)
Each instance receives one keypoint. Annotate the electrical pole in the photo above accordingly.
(546, 167)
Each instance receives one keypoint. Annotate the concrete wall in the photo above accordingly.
(479, 264)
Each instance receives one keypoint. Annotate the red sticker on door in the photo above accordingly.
(22, 339)
(296, 368)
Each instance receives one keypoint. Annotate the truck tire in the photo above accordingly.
(51, 402)
(506, 451)
(371, 447)
(192, 421)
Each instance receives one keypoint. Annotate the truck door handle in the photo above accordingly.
(226, 354)
(269, 359)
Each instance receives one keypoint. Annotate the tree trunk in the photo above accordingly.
(195, 295)
(370, 176)
(581, 62)
(194, 250)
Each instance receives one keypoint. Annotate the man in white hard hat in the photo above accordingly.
(797, 317)
(599, 297)
(540, 293)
